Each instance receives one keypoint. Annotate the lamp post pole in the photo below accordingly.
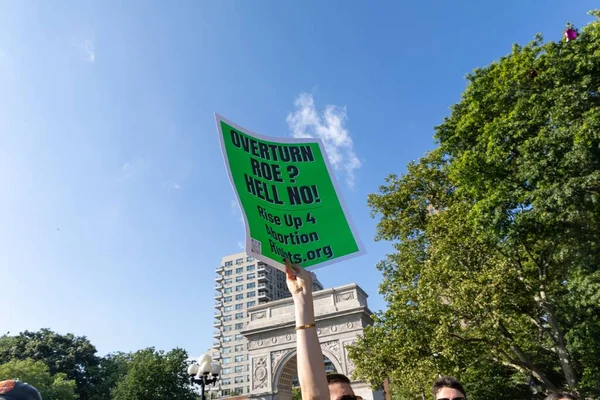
(199, 372)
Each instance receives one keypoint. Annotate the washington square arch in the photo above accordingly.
(341, 315)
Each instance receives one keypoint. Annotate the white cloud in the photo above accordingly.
(241, 245)
(176, 186)
(306, 122)
(127, 171)
(88, 46)
(131, 169)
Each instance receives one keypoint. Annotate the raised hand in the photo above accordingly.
(299, 280)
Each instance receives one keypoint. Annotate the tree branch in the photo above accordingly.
(524, 361)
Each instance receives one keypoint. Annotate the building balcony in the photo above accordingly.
(262, 285)
(264, 295)
(219, 278)
(261, 267)
(220, 269)
(217, 323)
(217, 334)
(218, 295)
(218, 286)
(216, 355)
(262, 277)
(218, 303)
(218, 314)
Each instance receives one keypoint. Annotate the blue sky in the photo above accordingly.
(115, 206)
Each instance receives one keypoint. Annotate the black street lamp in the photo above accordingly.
(199, 372)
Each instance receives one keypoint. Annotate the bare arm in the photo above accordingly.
(311, 367)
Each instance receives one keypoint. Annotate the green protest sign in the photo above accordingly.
(289, 198)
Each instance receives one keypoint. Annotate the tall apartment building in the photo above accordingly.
(241, 282)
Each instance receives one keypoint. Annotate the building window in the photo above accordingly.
(239, 358)
(226, 382)
(239, 369)
(239, 270)
(238, 390)
(239, 296)
(250, 303)
(227, 317)
(239, 326)
(250, 268)
(226, 338)
(225, 371)
(228, 263)
(227, 281)
(251, 276)
(239, 315)
(239, 306)
(239, 261)
(228, 272)
(239, 379)
(250, 285)
(227, 308)
(226, 328)
(227, 290)
(227, 360)
(239, 347)
(249, 259)
(227, 299)
(226, 350)
(239, 288)
(239, 336)
(251, 294)
(239, 278)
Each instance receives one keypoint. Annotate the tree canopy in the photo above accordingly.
(65, 367)
(156, 375)
(495, 277)
(37, 374)
(71, 355)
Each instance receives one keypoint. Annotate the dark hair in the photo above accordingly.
(560, 396)
(446, 381)
(337, 378)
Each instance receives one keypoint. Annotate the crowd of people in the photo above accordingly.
(315, 384)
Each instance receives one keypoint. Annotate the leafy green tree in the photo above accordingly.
(155, 374)
(496, 276)
(72, 355)
(37, 374)
(112, 369)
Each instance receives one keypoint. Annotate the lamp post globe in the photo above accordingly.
(200, 370)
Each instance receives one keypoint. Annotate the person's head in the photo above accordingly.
(560, 396)
(17, 390)
(446, 388)
(339, 386)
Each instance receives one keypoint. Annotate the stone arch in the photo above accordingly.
(341, 315)
(287, 368)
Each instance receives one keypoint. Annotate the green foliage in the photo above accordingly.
(72, 355)
(154, 374)
(65, 367)
(496, 276)
(296, 393)
(37, 374)
(113, 368)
